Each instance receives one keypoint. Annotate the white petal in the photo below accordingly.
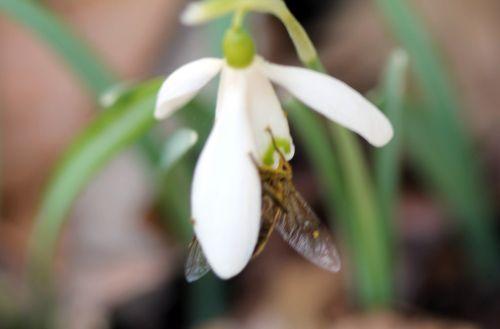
(334, 99)
(226, 195)
(182, 85)
(265, 112)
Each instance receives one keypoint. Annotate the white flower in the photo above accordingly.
(226, 191)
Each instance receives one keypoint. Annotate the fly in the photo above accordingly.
(283, 210)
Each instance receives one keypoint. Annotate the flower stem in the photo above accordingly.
(387, 160)
(368, 243)
(203, 11)
(368, 246)
(238, 18)
(303, 44)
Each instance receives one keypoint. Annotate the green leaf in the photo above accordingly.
(174, 180)
(439, 144)
(130, 111)
(387, 159)
(174, 202)
(78, 55)
(349, 199)
(318, 149)
(97, 76)
(176, 146)
(367, 230)
(114, 130)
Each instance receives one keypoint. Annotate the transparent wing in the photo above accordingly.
(196, 264)
(303, 231)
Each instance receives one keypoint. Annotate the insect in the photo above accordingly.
(283, 210)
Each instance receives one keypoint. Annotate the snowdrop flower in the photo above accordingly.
(226, 191)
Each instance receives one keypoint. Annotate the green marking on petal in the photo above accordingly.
(283, 144)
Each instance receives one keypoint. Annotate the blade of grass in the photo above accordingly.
(428, 66)
(318, 149)
(367, 243)
(115, 129)
(470, 204)
(451, 166)
(316, 140)
(81, 59)
(2, 211)
(372, 254)
(354, 204)
(374, 275)
(175, 147)
(78, 55)
(196, 116)
(46, 25)
(9, 305)
(174, 181)
(387, 159)
(98, 79)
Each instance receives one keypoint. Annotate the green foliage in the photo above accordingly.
(371, 254)
(114, 130)
(387, 159)
(315, 139)
(350, 195)
(129, 115)
(174, 182)
(362, 203)
(438, 142)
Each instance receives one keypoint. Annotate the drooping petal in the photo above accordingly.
(334, 99)
(226, 194)
(266, 113)
(184, 83)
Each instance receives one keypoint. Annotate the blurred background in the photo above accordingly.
(119, 260)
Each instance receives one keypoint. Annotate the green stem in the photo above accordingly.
(316, 140)
(371, 253)
(203, 11)
(368, 243)
(238, 18)
(305, 48)
(387, 159)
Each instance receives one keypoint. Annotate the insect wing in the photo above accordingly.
(196, 264)
(304, 232)
(271, 213)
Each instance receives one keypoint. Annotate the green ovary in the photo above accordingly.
(238, 48)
